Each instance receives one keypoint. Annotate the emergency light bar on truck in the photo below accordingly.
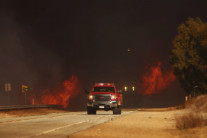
(102, 84)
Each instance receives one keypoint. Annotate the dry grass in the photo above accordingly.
(199, 104)
(190, 120)
(195, 115)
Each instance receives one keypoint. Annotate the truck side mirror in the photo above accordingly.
(120, 92)
(86, 91)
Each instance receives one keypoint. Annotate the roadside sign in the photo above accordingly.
(7, 87)
(25, 88)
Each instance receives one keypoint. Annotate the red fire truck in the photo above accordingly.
(104, 96)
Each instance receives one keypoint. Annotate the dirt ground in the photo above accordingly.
(154, 123)
(29, 112)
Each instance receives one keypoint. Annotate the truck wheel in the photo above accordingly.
(89, 110)
(94, 111)
(117, 110)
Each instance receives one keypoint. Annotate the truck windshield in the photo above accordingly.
(103, 89)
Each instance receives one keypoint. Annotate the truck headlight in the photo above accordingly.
(113, 97)
(90, 97)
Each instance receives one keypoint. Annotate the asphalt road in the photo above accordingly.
(55, 125)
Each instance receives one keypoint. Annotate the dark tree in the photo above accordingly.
(189, 56)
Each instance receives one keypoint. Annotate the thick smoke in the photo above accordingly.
(44, 42)
(23, 60)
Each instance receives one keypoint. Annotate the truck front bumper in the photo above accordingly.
(104, 105)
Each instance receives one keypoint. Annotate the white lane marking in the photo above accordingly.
(32, 117)
(52, 130)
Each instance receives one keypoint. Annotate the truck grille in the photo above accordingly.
(102, 98)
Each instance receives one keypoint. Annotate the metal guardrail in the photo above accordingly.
(16, 107)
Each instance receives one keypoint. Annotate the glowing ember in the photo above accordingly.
(62, 94)
(156, 81)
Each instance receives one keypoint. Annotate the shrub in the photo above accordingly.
(197, 104)
(190, 120)
(196, 115)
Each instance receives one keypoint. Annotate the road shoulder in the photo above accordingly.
(142, 124)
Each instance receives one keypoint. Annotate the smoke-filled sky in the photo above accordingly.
(45, 41)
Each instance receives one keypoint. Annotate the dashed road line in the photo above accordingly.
(97, 118)
(55, 129)
(25, 119)
(62, 127)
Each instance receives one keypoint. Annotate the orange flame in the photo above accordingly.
(62, 94)
(156, 81)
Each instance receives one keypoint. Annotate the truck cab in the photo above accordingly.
(104, 96)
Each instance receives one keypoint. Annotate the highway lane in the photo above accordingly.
(52, 125)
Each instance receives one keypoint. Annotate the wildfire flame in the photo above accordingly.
(156, 81)
(62, 94)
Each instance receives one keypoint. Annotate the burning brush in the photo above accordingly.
(156, 81)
